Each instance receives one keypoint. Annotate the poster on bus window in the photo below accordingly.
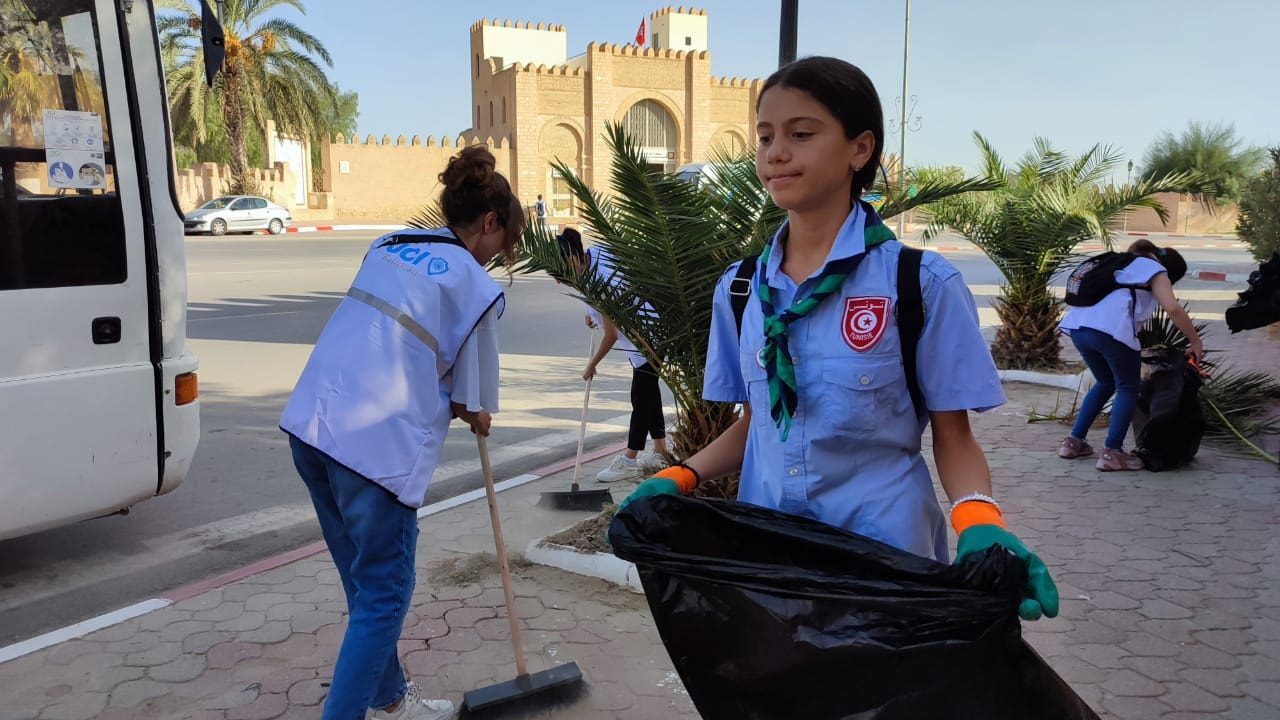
(73, 149)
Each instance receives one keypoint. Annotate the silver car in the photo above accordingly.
(237, 213)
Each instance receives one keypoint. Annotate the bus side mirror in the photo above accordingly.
(213, 41)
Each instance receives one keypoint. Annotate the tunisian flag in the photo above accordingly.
(640, 34)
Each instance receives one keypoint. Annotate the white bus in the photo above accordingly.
(98, 392)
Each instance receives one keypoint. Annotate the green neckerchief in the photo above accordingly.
(775, 355)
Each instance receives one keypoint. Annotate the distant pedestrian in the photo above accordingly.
(411, 346)
(1106, 334)
(540, 211)
(647, 417)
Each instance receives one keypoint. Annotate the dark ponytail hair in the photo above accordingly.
(473, 186)
(1172, 261)
(570, 243)
(848, 94)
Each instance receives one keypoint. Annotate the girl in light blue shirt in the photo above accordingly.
(828, 428)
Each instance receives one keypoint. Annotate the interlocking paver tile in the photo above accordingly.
(132, 692)
(1170, 586)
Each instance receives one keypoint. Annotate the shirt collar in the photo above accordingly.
(850, 241)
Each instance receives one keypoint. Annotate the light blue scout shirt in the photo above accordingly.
(416, 331)
(853, 456)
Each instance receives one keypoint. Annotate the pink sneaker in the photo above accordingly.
(1073, 447)
(1113, 460)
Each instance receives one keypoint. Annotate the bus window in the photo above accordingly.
(61, 222)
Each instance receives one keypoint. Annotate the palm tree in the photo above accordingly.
(269, 73)
(1029, 226)
(28, 80)
(671, 243)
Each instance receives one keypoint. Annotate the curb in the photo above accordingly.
(1074, 383)
(609, 568)
(340, 228)
(1228, 243)
(1222, 277)
(1182, 235)
(184, 592)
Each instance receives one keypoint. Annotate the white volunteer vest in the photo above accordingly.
(374, 394)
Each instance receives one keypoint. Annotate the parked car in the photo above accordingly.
(237, 213)
(697, 173)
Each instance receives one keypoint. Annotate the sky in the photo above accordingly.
(1117, 72)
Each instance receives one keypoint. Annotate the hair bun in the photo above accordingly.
(474, 166)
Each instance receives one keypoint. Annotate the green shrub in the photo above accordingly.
(1259, 223)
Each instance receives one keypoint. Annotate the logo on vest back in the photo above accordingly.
(413, 255)
(864, 321)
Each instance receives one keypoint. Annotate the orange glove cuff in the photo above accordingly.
(685, 478)
(975, 512)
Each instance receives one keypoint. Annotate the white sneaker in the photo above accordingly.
(415, 707)
(623, 468)
(651, 461)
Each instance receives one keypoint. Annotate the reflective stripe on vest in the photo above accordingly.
(403, 320)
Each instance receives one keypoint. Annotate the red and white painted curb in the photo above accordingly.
(1213, 275)
(340, 228)
(80, 629)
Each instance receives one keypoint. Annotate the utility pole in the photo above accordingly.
(902, 141)
(787, 32)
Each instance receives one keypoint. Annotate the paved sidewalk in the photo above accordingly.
(1170, 585)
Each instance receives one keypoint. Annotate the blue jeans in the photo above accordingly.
(373, 539)
(1118, 371)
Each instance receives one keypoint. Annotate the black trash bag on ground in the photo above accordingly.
(770, 616)
(1168, 423)
(1259, 304)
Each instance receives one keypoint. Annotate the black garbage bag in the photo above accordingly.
(1168, 422)
(770, 616)
(1259, 304)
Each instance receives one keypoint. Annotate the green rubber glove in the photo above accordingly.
(649, 488)
(1040, 596)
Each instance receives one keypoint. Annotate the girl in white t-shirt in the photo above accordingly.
(1107, 338)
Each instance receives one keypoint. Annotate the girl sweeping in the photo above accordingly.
(828, 428)
(411, 346)
(647, 418)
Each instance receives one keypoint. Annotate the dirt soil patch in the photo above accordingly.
(471, 569)
(587, 536)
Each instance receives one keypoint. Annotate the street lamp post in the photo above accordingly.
(902, 120)
(787, 32)
(1128, 174)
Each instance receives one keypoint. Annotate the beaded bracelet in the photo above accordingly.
(980, 497)
(697, 478)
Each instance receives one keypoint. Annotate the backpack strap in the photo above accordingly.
(910, 311)
(740, 289)
(910, 316)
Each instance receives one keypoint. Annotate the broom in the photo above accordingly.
(526, 685)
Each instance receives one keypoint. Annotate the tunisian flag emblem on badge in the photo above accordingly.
(864, 321)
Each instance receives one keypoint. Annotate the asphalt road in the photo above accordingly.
(257, 303)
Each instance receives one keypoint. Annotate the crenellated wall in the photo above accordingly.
(393, 179)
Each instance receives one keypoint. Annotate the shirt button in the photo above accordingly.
(864, 380)
(793, 472)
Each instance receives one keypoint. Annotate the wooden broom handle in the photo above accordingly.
(586, 400)
(507, 590)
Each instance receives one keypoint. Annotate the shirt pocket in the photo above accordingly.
(757, 384)
(860, 396)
